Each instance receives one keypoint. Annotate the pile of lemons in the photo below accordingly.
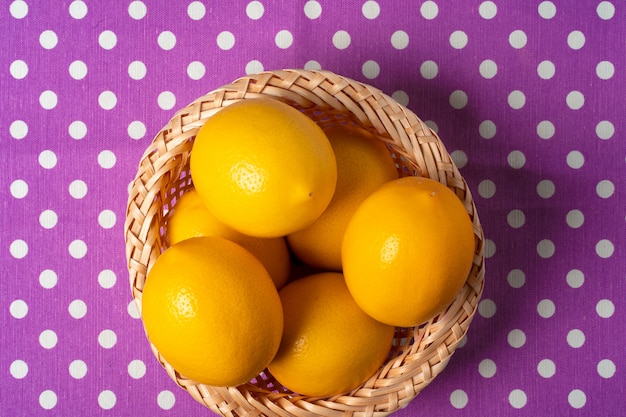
(299, 250)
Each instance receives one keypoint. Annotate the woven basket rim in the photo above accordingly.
(163, 174)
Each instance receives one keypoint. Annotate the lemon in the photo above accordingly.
(212, 311)
(363, 164)
(407, 251)
(263, 168)
(329, 345)
(190, 218)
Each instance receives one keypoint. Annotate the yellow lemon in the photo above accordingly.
(212, 311)
(263, 168)
(329, 345)
(407, 251)
(363, 164)
(191, 218)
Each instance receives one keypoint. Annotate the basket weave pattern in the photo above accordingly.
(419, 354)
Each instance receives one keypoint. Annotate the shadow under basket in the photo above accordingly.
(418, 354)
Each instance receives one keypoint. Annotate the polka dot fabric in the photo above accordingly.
(527, 96)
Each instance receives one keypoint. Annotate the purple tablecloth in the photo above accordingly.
(528, 96)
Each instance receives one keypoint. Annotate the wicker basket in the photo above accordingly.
(419, 354)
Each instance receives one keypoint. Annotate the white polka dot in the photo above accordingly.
(77, 249)
(575, 278)
(312, 9)
(432, 125)
(78, 369)
(254, 67)
(48, 279)
(516, 338)
(487, 129)
(255, 10)
(462, 342)
(488, 69)
(312, 65)
(78, 9)
(47, 159)
(575, 218)
(575, 338)
(487, 308)
(370, 9)
(166, 100)
(576, 39)
(107, 399)
(575, 159)
(48, 339)
(166, 40)
(577, 399)
(400, 39)
(546, 308)
(18, 69)
(341, 39)
(77, 130)
(77, 309)
(516, 159)
(429, 10)
(137, 10)
(545, 129)
(225, 40)
(518, 39)
(18, 129)
(107, 219)
(516, 99)
(196, 10)
(283, 39)
(18, 9)
(516, 218)
(18, 309)
(136, 130)
(19, 189)
(458, 39)
(605, 248)
(107, 40)
(458, 399)
(106, 159)
(545, 189)
(78, 70)
(107, 278)
(48, 219)
(459, 158)
(517, 398)
(18, 249)
(545, 248)
(107, 339)
(546, 69)
(547, 9)
(516, 278)
(606, 368)
(605, 189)
(48, 39)
(107, 100)
(605, 130)
(546, 368)
(605, 10)
(429, 69)
(401, 97)
(137, 70)
(136, 369)
(605, 70)
(487, 368)
(48, 399)
(487, 10)
(458, 99)
(196, 70)
(370, 69)
(18, 369)
(605, 308)
(132, 310)
(78, 189)
(166, 399)
(575, 100)
(486, 189)
(48, 100)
